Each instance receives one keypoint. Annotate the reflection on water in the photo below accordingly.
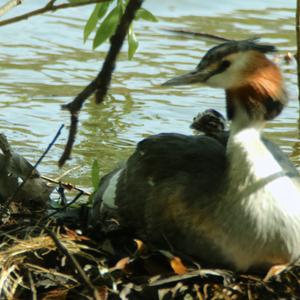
(44, 63)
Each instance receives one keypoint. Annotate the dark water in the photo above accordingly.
(44, 63)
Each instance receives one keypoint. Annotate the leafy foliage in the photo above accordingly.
(107, 27)
(105, 22)
(145, 15)
(97, 14)
(132, 42)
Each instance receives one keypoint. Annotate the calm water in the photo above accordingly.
(44, 63)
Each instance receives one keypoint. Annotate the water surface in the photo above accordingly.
(44, 63)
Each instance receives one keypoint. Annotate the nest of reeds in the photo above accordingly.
(53, 262)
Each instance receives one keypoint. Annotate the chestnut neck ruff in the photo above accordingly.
(261, 95)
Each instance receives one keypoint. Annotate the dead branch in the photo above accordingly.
(10, 199)
(13, 167)
(9, 5)
(197, 33)
(101, 83)
(49, 7)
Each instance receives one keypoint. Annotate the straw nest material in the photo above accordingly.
(53, 262)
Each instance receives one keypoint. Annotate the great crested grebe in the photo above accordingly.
(233, 204)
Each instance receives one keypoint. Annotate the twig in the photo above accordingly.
(72, 132)
(75, 264)
(19, 227)
(66, 185)
(58, 178)
(192, 274)
(62, 195)
(117, 40)
(101, 83)
(47, 8)
(298, 45)
(197, 33)
(64, 207)
(32, 286)
(9, 5)
(9, 200)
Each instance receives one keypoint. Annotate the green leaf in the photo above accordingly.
(145, 15)
(132, 43)
(95, 174)
(107, 27)
(97, 14)
(103, 9)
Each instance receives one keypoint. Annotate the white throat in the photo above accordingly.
(264, 200)
(246, 151)
(242, 121)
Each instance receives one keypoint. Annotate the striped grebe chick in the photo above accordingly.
(234, 204)
(211, 123)
(208, 122)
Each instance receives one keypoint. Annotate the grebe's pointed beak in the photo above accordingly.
(196, 76)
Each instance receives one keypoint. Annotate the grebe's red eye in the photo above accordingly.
(223, 66)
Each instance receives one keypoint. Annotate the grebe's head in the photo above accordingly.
(229, 65)
(244, 71)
